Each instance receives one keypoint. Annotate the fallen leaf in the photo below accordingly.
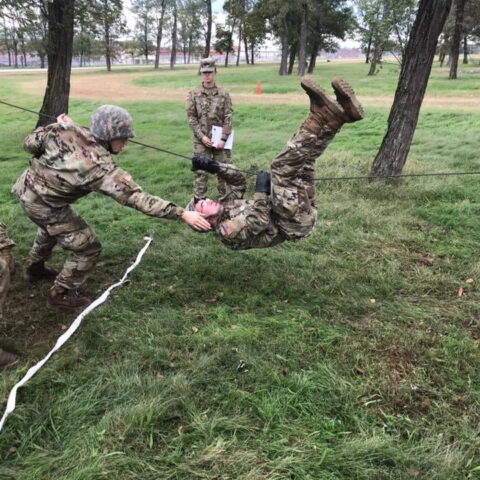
(234, 327)
(12, 450)
(182, 429)
(63, 327)
(194, 329)
(469, 280)
(171, 289)
(360, 371)
(426, 403)
(460, 292)
(372, 300)
(76, 350)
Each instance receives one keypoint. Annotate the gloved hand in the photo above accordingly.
(205, 163)
(263, 182)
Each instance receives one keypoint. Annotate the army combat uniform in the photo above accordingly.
(290, 212)
(207, 107)
(68, 163)
(6, 264)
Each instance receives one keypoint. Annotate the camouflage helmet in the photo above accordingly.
(207, 65)
(109, 122)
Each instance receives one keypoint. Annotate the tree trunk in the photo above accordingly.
(145, 38)
(60, 44)
(160, 34)
(190, 44)
(465, 50)
(375, 60)
(457, 38)
(108, 53)
(313, 58)
(252, 53)
(208, 38)
(284, 57)
(245, 47)
(291, 60)
(173, 56)
(369, 49)
(239, 42)
(302, 42)
(415, 71)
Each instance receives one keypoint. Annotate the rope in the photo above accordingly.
(158, 149)
(249, 172)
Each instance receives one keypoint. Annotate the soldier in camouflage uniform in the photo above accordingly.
(284, 206)
(7, 266)
(69, 162)
(209, 105)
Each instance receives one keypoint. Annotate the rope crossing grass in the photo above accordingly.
(251, 173)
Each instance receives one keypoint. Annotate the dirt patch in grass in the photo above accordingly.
(119, 88)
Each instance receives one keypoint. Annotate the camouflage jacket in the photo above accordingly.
(5, 240)
(207, 107)
(69, 163)
(245, 224)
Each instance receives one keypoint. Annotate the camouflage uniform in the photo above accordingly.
(207, 107)
(6, 266)
(290, 212)
(69, 163)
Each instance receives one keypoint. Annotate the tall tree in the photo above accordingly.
(173, 51)
(208, 35)
(457, 37)
(60, 43)
(143, 10)
(160, 10)
(411, 87)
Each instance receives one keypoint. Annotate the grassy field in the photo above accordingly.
(362, 358)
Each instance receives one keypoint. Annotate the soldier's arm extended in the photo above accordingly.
(227, 117)
(192, 115)
(34, 142)
(118, 184)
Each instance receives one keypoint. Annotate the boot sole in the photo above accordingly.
(316, 91)
(347, 99)
(65, 307)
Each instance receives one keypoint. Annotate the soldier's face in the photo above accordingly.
(208, 78)
(118, 144)
(209, 209)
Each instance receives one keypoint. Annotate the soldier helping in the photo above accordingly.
(284, 206)
(69, 162)
(209, 105)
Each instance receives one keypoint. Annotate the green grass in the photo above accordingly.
(244, 79)
(336, 386)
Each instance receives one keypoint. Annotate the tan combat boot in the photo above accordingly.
(347, 99)
(7, 359)
(69, 299)
(38, 271)
(326, 112)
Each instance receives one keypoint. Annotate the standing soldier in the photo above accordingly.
(209, 105)
(69, 162)
(7, 265)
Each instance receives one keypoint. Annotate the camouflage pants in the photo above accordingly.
(65, 227)
(294, 205)
(200, 180)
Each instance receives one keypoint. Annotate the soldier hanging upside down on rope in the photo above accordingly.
(284, 205)
(69, 162)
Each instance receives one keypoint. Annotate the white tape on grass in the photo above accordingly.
(11, 402)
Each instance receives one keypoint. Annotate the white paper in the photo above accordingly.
(217, 136)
